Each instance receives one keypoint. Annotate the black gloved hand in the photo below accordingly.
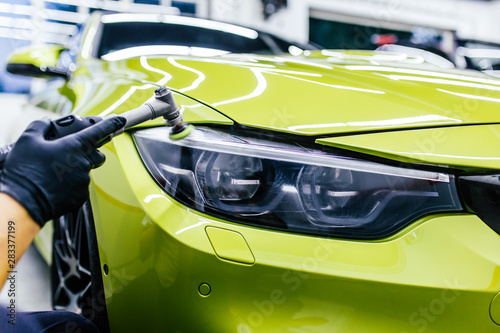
(50, 178)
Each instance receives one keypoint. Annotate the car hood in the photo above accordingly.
(323, 93)
(463, 147)
(376, 103)
(326, 92)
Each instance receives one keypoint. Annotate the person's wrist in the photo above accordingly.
(18, 212)
(27, 198)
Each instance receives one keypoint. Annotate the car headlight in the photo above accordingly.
(291, 188)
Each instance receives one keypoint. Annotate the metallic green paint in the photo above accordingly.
(39, 56)
(439, 274)
(310, 96)
(461, 147)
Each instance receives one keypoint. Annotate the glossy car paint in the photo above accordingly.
(172, 269)
(37, 55)
(439, 274)
(270, 92)
(461, 146)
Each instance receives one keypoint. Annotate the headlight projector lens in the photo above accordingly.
(290, 188)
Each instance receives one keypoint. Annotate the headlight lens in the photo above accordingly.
(287, 187)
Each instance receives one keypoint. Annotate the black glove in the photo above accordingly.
(50, 178)
(4, 151)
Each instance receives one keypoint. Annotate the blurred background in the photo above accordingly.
(464, 32)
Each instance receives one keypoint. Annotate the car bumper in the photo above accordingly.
(172, 268)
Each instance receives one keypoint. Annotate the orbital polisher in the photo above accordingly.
(163, 105)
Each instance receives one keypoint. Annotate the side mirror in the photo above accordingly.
(37, 61)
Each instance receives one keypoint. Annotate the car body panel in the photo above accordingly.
(97, 95)
(347, 97)
(459, 147)
(37, 56)
(439, 274)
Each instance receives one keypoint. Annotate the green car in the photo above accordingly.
(320, 191)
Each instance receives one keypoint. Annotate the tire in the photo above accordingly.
(76, 270)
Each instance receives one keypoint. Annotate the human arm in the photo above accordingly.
(17, 231)
(43, 179)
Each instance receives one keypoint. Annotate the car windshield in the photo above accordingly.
(135, 38)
